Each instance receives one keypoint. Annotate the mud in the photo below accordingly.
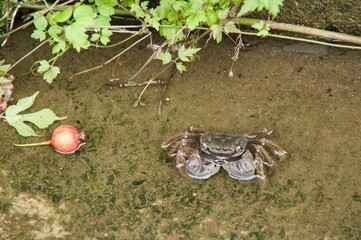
(121, 184)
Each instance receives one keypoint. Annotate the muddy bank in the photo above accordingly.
(121, 185)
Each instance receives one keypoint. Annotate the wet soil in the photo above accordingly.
(121, 184)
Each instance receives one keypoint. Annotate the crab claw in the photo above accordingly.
(198, 169)
(244, 169)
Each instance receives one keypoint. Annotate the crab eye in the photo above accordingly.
(239, 148)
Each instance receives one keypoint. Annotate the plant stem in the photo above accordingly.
(304, 30)
(243, 21)
(32, 144)
(25, 56)
(63, 6)
(116, 56)
(314, 41)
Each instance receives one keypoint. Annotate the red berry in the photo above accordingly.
(67, 139)
(3, 105)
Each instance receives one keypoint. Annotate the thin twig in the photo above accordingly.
(304, 30)
(154, 54)
(314, 41)
(25, 56)
(149, 82)
(174, 71)
(139, 99)
(239, 45)
(116, 56)
(44, 9)
(136, 84)
(144, 65)
(11, 24)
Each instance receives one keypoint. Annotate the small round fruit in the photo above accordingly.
(66, 139)
(3, 105)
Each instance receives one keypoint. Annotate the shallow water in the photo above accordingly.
(121, 185)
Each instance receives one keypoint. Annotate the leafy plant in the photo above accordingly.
(42, 119)
(81, 25)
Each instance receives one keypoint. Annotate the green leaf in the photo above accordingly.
(83, 15)
(179, 6)
(75, 34)
(223, 13)
(23, 129)
(50, 16)
(137, 10)
(101, 20)
(212, 17)
(12, 118)
(181, 68)
(64, 15)
(104, 40)
(231, 27)
(21, 105)
(106, 10)
(60, 46)
(251, 5)
(44, 66)
(262, 33)
(165, 57)
(55, 30)
(106, 2)
(154, 22)
(248, 6)
(40, 23)
(194, 20)
(168, 32)
(4, 68)
(51, 74)
(262, 27)
(273, 6)
(99, 2)
(172, 16)
(185, 53)
(217, 33)
(258, 25)
(38, 34)
(106, 32)
(144, 5)
(42, 119)
(194, 6)
(95, 37)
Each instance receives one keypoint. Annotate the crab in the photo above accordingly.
(200, 154)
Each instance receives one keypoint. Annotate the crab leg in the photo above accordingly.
(254, 134)
(266, 158)
(173, 151)
(277, 150)
(190, 133)
(259, 167)
(172, 140)
(180, 160)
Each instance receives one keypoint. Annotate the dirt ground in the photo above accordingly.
(121, 185)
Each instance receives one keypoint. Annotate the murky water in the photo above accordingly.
(121, 185)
